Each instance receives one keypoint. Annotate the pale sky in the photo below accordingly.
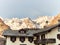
(28, 8)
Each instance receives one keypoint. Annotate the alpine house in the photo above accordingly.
(46, 36)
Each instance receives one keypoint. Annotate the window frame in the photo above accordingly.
(30, 39)
(13, 38)
(58, 36)
(22, 39)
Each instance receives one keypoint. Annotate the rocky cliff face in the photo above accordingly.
(3, 26)
(40, 22)
(55, 20)
(27, 23)
(16, 24)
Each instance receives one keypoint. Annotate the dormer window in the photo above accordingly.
(13, 39)
(22, 31)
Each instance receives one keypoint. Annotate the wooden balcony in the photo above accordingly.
(45, 41)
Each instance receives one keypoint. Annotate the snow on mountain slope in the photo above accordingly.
(3, 27)
(40, 22)
(17, 24)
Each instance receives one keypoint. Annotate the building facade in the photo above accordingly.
(46, 36)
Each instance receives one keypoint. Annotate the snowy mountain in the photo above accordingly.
(43, 19)
(16, 23)
(55, 20)
(39, 22)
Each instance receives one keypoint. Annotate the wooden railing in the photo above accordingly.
(45, 41)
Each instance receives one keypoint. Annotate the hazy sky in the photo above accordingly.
(28, 8)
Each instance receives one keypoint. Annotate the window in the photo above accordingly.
(59, 28)
(43, 44)
(13, 39)
(43, 36)
(22, 39)
(58, 36)
(22, 31)
(30, 39)
(58, 44)
(23, 44)
(38, 37)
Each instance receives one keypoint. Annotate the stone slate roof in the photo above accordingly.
(49, 28)
(29, 32)
(16, 33)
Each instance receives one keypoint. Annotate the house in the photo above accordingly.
(47, 36)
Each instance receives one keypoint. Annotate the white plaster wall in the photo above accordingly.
(53, 34)
(17, 42)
